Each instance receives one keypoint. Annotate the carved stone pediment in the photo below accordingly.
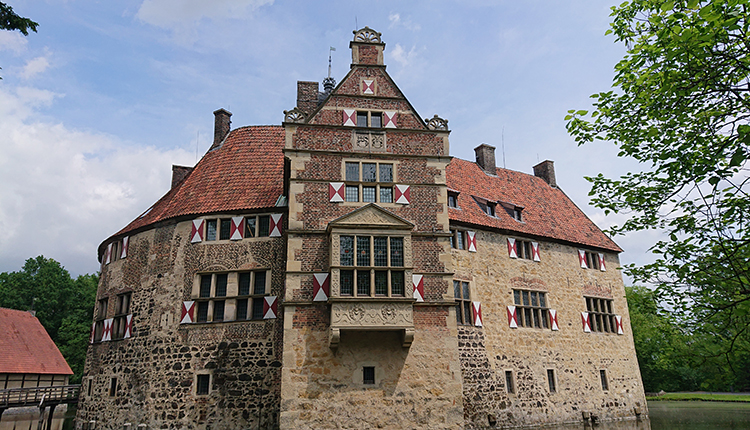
(370, 216)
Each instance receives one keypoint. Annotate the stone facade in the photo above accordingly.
(340, 282)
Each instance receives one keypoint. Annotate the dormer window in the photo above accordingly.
(486, 206)
(514, 211)
(452, 199)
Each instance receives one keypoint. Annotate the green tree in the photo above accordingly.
(680, 106)
(9, 20)
(63, 305)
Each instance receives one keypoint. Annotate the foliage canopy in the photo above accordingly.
(9, 20)
(63, 305)
(681, 107)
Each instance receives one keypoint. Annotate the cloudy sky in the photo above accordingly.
(97, 106)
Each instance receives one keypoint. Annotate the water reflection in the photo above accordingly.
(699, 415)
(607, 425)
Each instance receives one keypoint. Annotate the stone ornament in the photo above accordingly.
(371, 315)
(436, 123)
(367, 35)
(294, 115)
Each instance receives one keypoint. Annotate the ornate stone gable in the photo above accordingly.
(371, 216)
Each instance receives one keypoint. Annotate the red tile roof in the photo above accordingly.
(26, 347)
(547, 211)
(246, 172)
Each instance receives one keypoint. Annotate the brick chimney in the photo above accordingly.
(307, 96)
(179, 173)
(546, 171)
(486, 158)
(367, 48)
(222, 124)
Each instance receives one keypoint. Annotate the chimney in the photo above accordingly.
(222, 123)
(179, 173)
(307, 96)
(486, 158)
(367, 48)
(546, 171)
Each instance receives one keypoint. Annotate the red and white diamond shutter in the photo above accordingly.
(269, 307)
(350, 118)
(237, 229)
(321, 287)
(585, 320)
(107, 332)
(403, 194)
(512, 317)
(618, 323)
(276, 225)
(368, 86)
(553, 320)
(196, 234)
(471, 239)
(418, 281)
(125, 243)
(93, 332)
(108, 255)
(336, 192)
(188, 312)
(476, 313)
(582, 259)
(389, 118)
(535, 251)
(512, 251)
(602, 264)
(128, 326)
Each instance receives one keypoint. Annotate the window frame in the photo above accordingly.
(524, 249)
(227, 297)
(354, 269)
(453, 197)
(369, 114)
(223, 227)
(102, 309)
(601, 321)
(378, 186)
(461, 289)
(604, 379)
(510, 382)
(198, 388)
(530, 315)
(459, 239)
(122, 310)
(552, 384)
(592, 260)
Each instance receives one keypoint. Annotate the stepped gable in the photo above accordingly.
(26, 346)
(246, 172)
(547, 211)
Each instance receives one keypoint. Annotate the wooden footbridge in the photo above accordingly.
(40, 397)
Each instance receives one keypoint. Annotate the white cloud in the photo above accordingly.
(12, 41)
(177, 13)
(402, 56)
(396, 21)
(64, 190)
(34, 67)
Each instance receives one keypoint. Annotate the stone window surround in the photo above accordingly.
(552, 383)
(463, 304)
(510, 381)
(604, 379)
(372, 116)
(372, 268)
(378, 184)
(336, 267)
(536, 313)
(592, 260)
(601, 320)
(232, 296)
(453, 198)
(121, 312)
(195, 384)
(524, 250)
(458, 239)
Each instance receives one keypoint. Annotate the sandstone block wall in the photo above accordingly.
(575, 357)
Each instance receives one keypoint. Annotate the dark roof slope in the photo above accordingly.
(26, 347)
(547, 212)
(246, 172)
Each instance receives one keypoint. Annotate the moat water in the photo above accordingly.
(663, 416)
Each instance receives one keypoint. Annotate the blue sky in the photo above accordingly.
(97, 106)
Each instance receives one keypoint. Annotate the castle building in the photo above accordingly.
(342, 270)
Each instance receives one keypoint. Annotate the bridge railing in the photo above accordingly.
(17, 397)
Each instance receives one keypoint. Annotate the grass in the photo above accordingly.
(703, 397)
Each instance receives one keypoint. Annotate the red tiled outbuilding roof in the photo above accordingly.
(26, 347)
(547, 211)
(246, 172)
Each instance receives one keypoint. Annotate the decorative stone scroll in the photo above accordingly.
(371, 315)
(294, 115)
(367, 35)
(436, 123)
